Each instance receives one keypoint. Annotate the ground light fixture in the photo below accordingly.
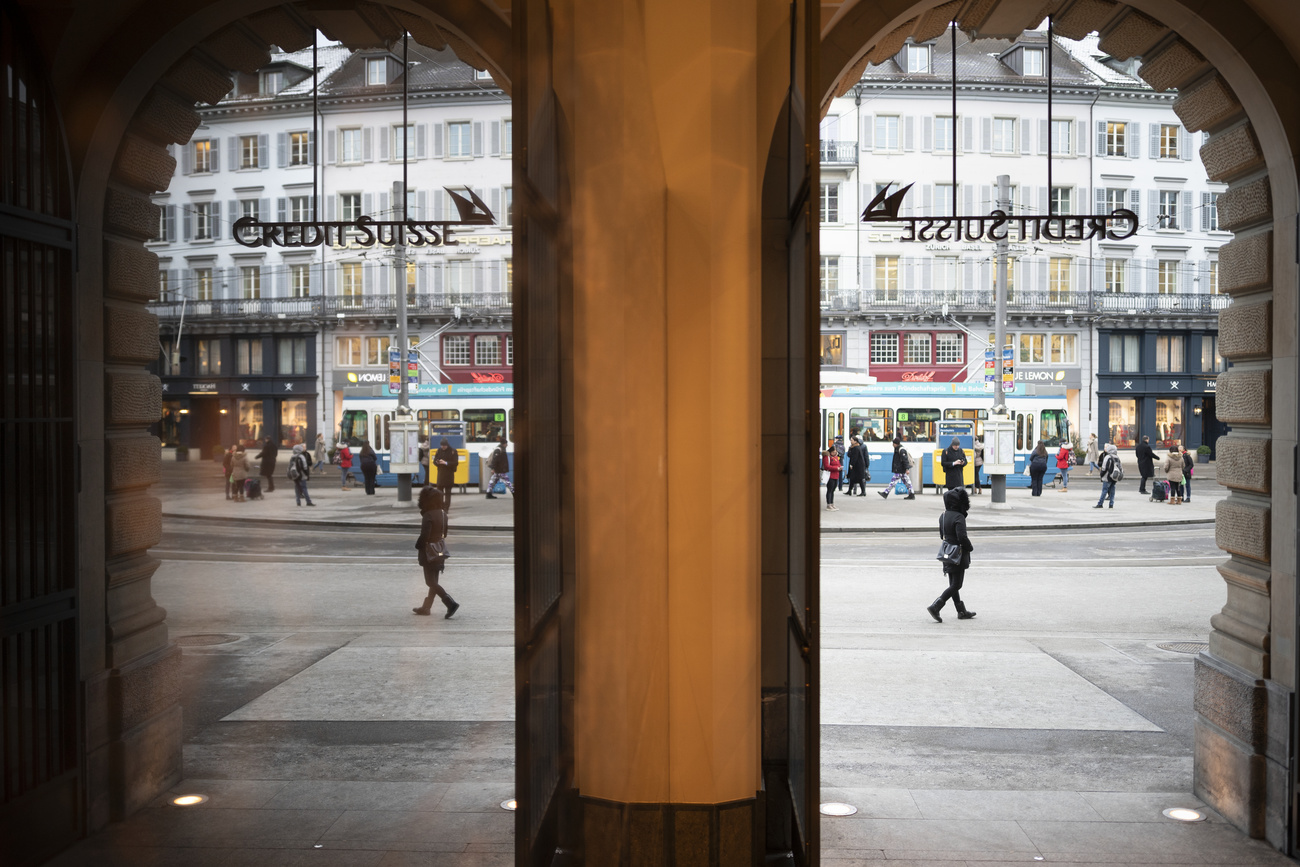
(511, 805)
(189, 800)
(1183, 814)
(835, 808)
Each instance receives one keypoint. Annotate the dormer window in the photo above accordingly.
(482, 75)
(1033, 61)
(376, 71)
(272, 83)
(918, 58)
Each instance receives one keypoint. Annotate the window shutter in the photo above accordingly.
(232, 157)
(927, 134)
(187, 224)
(1135, 202)
(280, 209)
(264, 210)
(1185, 210)
(1043, 201)
(1153, 274)
(440, 204)
(1154, 137)
(422, 278)
(436, 271)
(1132, 139)
(214, 159)
(927, 200)
(927, 274)
(311, 147)
(383, 207)
(479, 275)
(263, 146)
(367, 145)
(421, 140)
(1205, 211)
(478, 139)
(986, 135)
(1185, 274)
(968, 196)
(494, 204)
(986, 199)
(1042, 275)
(1026, 146)
(1099, 195)
(1098, 275)
(1043, 131)
(968, 134)
(868, 132)
(909, 133)
(422, 204)
(1101, 138)
(331, 208)
(1153, 204)
(1184, 143)
(384, 133)
(281, 149)
(215, 220)
(908, 277)
(187, 159)
(282, 281)
(1079, 201)
(1081, 139)
(171, 223)
(437, 141)
(494, 138)
(331, 147)
(968, 283)
(331, 269)
(368, 204)
(368, 278)
(1203, 276)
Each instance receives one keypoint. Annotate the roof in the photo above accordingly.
(429, 69)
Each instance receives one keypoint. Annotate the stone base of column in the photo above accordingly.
(688, 835)
(1240, 750)
(144, 750)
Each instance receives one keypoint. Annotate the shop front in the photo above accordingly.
(208, 416)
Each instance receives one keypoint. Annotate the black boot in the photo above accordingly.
(934, 608)
(962, 613)
(452, 605)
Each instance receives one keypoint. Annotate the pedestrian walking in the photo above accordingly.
(858, 468)
(1172, 467)
(433, 527)
(267, 457)
(299, 473)
(320, 451)
(1064, 458)
(952, 529)
(1111, 472)
(899, 469)
(1146, 461)
(978, 448)
(424, 461)
(1037, 469)
(499, 464)
(1092, 453)
(953, 461)
(831, 464)
(344, 457)
(369, 466)
(446, 459)
(225, 471)
(238, 471)
(1188, 463)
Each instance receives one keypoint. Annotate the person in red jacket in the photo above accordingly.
(345, 462)
(1064, 458)
(831, 463)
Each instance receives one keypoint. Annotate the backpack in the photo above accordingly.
(911, 462)
(1116, 472)
(295, 471)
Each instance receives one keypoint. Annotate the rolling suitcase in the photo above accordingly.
(253, 489)
(1159, 490)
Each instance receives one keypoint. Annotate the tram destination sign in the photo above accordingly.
(998, 225)
(366, 231)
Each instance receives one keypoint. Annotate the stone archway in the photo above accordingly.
(1233, 75)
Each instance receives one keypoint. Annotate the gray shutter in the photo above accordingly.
(282, 281)
(331, 208)
(986, 199)
(1026, 134)
(383, 133)
(332, 147)
(422, 204)
(1206, 199)
(1133, 139)
(421, 140)
(927, 200)
(1152, 267)
(495, 204)
(1184, 143)
(479, 275)
(1153, 212)
(1185, 274)
(171, 223)
(214, 159)
(927, 134)
(264, 210)
(263, 148)
(1044, 202)
(368, 204)
(368, 278)
(280, 204)
(383, 207)
(494, 138)
(1101, 138)
(311, 147)
(422, 278)
(1135, 202)
(868, 132)
(187, 159)
(281, 149)
(1081, 138)
(908, 277)
(1203, 275)
(214, 219)
(1099, 195)
(1042, 275)
(437, 141)
(187, 223)
(968, 195)
(1098, 275)
(986, 135)
(439, 204)
(367, 145)
(968, 135)
(1044, 130)
(968, 283)
(927, 274)
(909, 133)
(436, 272)
(1079, 201)
(1185, 210)
(331, 269)
(232, 158)
(1153, 136)
(478, 139)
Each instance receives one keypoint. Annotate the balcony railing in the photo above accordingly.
(839, 152)
(332, 306)
(982, 301)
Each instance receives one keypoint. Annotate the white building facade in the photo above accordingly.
(1126, 328)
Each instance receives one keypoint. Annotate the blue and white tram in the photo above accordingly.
(912, 412)
(486, 410)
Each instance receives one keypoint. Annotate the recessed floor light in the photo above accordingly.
(1183, 814)
(512, 804)
(834, 808)
(190, 800)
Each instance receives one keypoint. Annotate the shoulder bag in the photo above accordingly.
(949, 554)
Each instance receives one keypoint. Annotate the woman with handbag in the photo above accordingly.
(1037, 469)
(432, 546)
(954, 552)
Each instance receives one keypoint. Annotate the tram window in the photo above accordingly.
(917, 425)
(424, 416)
(876, 425)
(1030, 442)
(976, 415)
(484, 425)
(1020, 432)
(381, 433)
(354, 427)
(510, 425)
(1055, 427)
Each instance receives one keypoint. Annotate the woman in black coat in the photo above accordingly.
(952, 529)
(369, 467)
(858, 468)
(433, 526)
(1037, 468)
(445, 459)
(953, 460)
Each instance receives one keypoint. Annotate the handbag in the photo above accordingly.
(436, 552)
(949, 554)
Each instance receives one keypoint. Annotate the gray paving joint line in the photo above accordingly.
(349, 526)
(1106, 525)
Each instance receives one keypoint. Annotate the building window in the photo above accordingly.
(1125, 354)
(487, 351)
(460, 139)
(1004, 135)
(830, 276)
(1167, 276)
(1062, 138)
(886, 278)
(510, 350)
(1211, 361)
(917, 348)
(291, 357)
(1065, 349)
(163, 287)
(249, 208)
(1123, 430)
(1033, 61)
(1011, 277)
(884, 348)
(1116, 132)
(832, 350)
(886, 133)
(1214, 277)
(202, 221)
(1115, 275)
(250, 281)
(944, 200)
(1062, 200)
(830, 203)
(507, 138)
(1212, 213)
(1169, 422)
(509, 199)
(249, 156)
(203, 156)
(299, 280)
(948, 348)
(1170, 353)
(376, 71)
(1168, 141)
(460, 280)
(918, 58)
(945, 277)
(943, 134)
(410, 281)
(272, 83)
(300, 209)
(299, 149)
(510, 278)
(248, 357)
(349, 206)
(1115, 199)
(208, 361)
(1058, 280)
(352, 284)
(376, 351)
(347, 352)
(1168, 215)
(404, 145)
(202, 284)
(351, 145)
(455, 350)
(1031, 348)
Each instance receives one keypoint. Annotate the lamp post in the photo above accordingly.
(404, 424)
(994, 438)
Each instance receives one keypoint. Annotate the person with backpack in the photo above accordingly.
(900, 467)
(299, 473)
(1037, 469)
(499, 464)
(952, 529)
(1111, 473)
(1064, 458)
(369, 467)
(831, 464)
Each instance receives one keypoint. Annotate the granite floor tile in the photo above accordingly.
(405, 825)
(1004, 805)
(436, 859)
(874, 803)
(1201, 843)
(924, 834)
(476, 797)
(224, 794)
(1139, 806)
(311, 857)
(358, 795)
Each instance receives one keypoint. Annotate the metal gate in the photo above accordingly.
(39, 743)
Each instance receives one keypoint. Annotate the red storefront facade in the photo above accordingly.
(898, 355)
